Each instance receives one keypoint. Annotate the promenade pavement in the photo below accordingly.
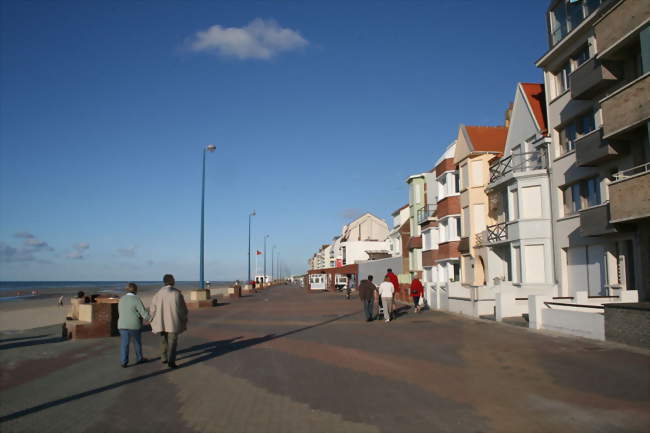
(284, 360)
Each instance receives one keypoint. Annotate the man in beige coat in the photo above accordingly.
(168, 314)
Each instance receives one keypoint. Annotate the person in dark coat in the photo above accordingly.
(367, 295)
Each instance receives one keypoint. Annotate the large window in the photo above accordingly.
(580, 195)
(562, 79)
(576, 128)
(568, 14)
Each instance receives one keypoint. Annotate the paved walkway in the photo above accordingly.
(287, 361)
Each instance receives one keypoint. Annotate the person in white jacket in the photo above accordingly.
(386, 290)
(168, 314)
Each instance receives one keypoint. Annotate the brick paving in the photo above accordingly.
(288, 361)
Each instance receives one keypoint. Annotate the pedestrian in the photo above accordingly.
(168, 318)
(386, 291)
(349, 286)
(131, 314)
(417, 291)
(367, 295)
(60, 301)
(395, 281)
(237, 288)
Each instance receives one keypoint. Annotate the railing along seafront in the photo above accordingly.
(518, 162)
(426, 212)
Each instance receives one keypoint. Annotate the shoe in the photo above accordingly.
(142, 361)
(387, 320)
(123, 365)
(172, 365)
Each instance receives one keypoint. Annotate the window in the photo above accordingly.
(457, 228)
(456, 266)
(465, 226)
(568, 14)
(456, 180)
(416, 193)
(464, 176)
(562, 79)
(477, 173)
(574, 129)
(580, 195)
(580, 56)
(515, 204)
(442, 186)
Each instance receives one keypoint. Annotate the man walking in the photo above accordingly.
(168, 318)
(386, 291)
(367, 295)
(131, 314)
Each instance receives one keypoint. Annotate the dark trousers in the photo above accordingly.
(368, 308)
(168, 346)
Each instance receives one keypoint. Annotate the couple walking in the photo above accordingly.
(386, 292)
(168, 317)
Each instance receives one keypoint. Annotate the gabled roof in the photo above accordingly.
(537, 102)
(487, 138)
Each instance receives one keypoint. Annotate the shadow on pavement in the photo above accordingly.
(6, 340)
(30, 343)
(198, 353)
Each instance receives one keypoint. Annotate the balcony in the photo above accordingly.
(415, 242)
(591, 149)
(629, 194)
(518, 162)
(425, 213)
(463, 246)
(626, 108)
(621, 20)
(497, 233)
(594, 221)
(591, 78)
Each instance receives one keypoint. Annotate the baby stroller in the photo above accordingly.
(380, 310)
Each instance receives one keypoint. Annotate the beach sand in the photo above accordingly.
(34, 313)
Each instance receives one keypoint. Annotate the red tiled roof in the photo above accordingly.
(535, 94)
(487, 138)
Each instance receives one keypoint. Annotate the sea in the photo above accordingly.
(25, 290)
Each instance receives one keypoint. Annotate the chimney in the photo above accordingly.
(508, 115)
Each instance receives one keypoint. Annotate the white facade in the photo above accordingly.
(394, 239)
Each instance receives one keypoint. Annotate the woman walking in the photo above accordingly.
(417, 291)
(131, 314)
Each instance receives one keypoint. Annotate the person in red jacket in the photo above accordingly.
(417, 291)
(393, 279)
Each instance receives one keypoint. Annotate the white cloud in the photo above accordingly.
(81, 246)
(24, 235)
(75, 255)
(78, 252)
(126, 252)
(260, 39)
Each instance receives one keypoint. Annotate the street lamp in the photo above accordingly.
(272, 258)
(209, 148)
(250, 215)
(265, 238)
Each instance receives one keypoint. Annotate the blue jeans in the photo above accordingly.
(368, 308)
(125, 338)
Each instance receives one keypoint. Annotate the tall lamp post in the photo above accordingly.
(208, 148)
(272, 258)
(250, 215)
(265, 238)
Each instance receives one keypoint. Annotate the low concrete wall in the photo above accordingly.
(581, 324)
(628, 323)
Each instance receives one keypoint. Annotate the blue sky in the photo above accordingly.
(319, 111)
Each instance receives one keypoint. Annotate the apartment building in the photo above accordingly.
(517, 245)
(422, 194)
(440, 224)
(399, 236)
(597, 76)
(476, 147)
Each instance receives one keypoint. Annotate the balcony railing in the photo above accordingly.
(425, 213)
(497, 232)
(518, 162)
(629, 194)
(627, 108)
